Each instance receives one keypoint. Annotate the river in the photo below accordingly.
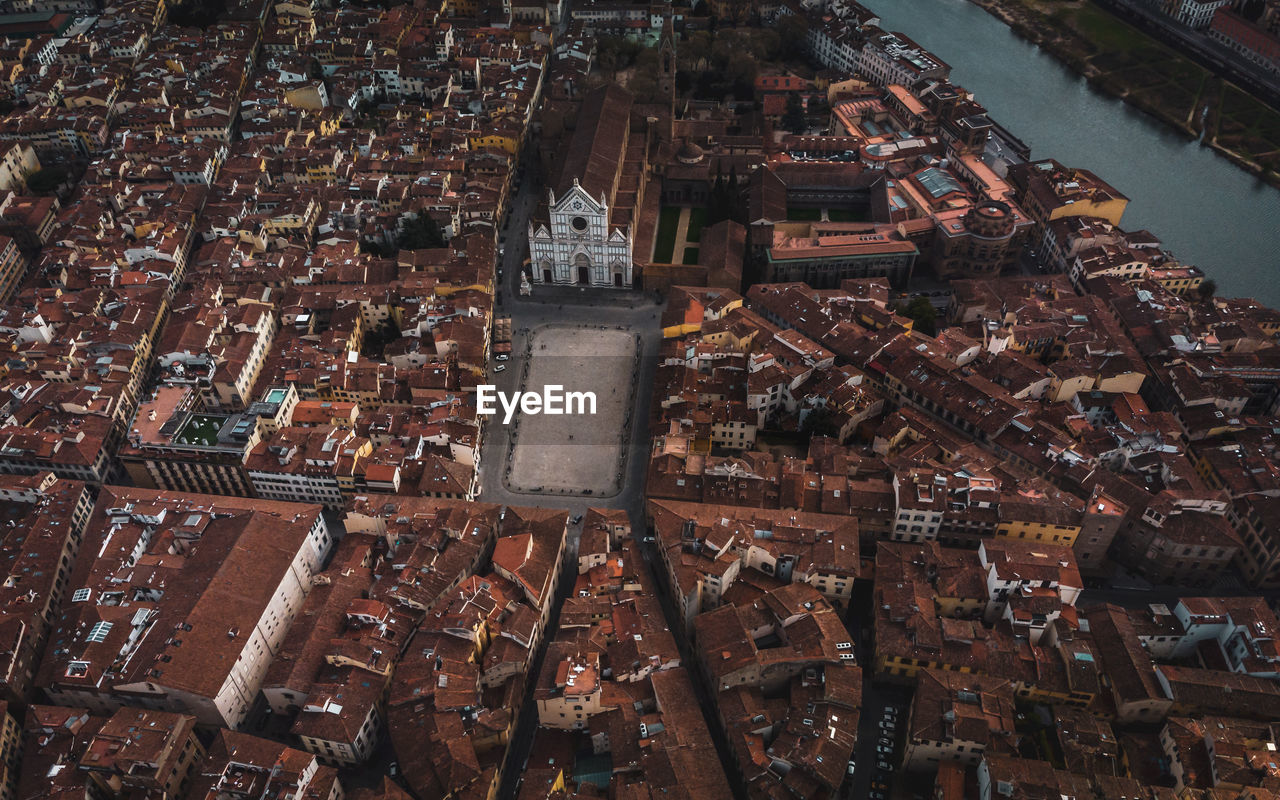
(1207, 211)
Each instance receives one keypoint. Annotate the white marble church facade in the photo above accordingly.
(578, 246)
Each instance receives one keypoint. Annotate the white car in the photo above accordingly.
(887, 725)
(503, 357)
(884, 750)
(500, 368)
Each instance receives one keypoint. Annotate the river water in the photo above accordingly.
(1207, 211)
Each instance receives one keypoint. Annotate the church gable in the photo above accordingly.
(577, 200)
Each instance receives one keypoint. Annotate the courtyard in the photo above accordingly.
(679, 232)
(575, 454)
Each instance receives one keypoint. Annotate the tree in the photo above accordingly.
(377, 249)
(741, 72)
(1207, 289)
(792, 31)
(718, 205)
(695, 50)
(607, 60)
(793, 119)
(820, 421)
(763, 43)
(46, 180)
(420, 232)
(376, 340)
(647, 61)
(819, 110)
(644, 87)
(196, 13)
(922, 312)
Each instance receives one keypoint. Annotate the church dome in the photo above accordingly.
(689, 153)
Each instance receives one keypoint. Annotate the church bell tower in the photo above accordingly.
(667, 59)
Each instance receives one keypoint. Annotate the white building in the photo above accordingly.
(1196, 14)
(187, 601)
(581, 246)
(892, 58)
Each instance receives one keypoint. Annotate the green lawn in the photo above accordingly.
(697, 220)
(690, 256)
(804, 214)
(665, 240)
(848, 215)
(1108, 32)
(200, 430)
(1245, 123)
(1156, 77)
(1128, 60)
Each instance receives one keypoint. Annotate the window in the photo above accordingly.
(579, 224)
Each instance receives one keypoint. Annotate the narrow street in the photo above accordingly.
(701, 688)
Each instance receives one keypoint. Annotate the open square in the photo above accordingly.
(575, 454)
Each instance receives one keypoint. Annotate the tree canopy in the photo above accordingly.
(794, 118)
(420, 232)
(922, 312)
(47, 180)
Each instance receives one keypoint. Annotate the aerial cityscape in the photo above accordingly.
(614, 400)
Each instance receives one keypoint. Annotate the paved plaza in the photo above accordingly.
(575, 454)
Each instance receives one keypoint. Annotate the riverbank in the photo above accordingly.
(1126, 63)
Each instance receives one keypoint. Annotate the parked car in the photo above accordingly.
(888, 725)
(884, 766)
(851, 765)
(503, 357)
(884, 750)
(500, 368)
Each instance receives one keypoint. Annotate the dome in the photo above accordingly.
(689, 153)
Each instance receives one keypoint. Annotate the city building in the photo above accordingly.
(181, 602)
(586, 235)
